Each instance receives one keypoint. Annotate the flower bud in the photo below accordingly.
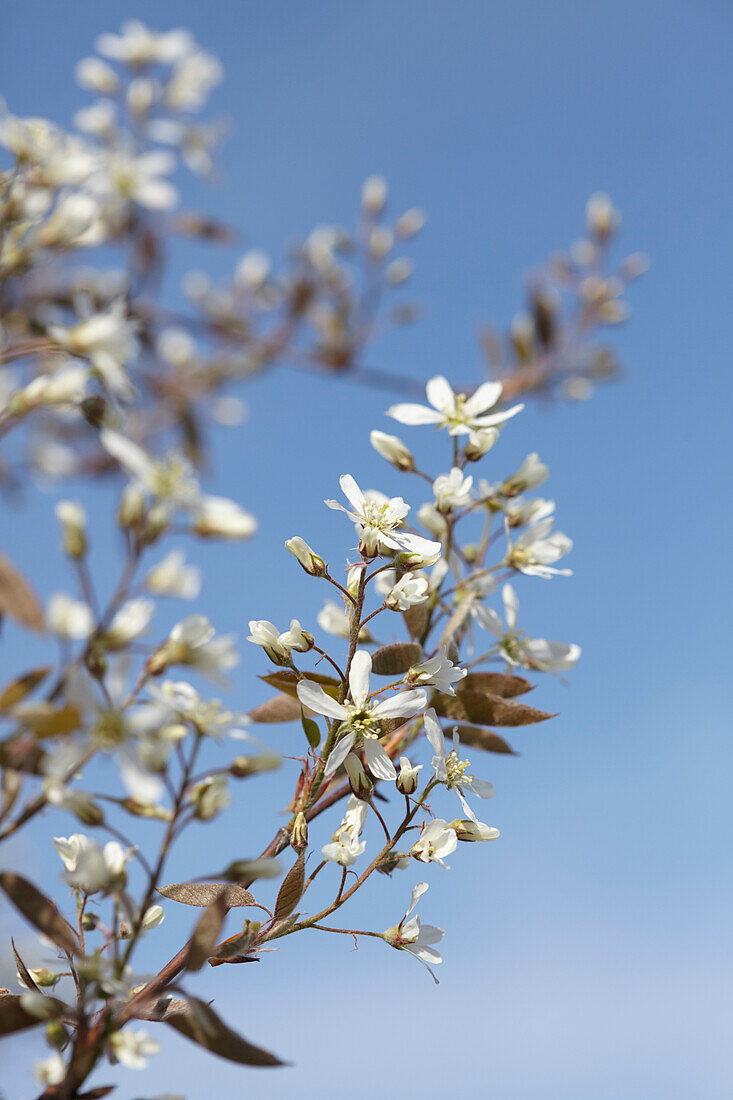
(374, 195)
(209, 797)
(393, 449)
(399, 271)
(89, 921)
(410, 223)
(473, 830)
(311, 562)
(56, 1034)
(480, 442)
(299, 833)
(73, 520)
(407, 780)
(243, 766)
(601, 218)
(139, 808)
(43, 977)
(394, 861)
(131, 511)
(359, 781)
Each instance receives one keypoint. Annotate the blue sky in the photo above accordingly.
(588, 951)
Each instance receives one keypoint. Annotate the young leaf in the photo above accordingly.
(199, 1023)
(484, 739)
(14, 1017)
(17, 689)
(39, 910)
(281, 708)
(204, 894)
(416, 619)
(492, 709)
(291, 890)
(206, 932)
(311, 730)
(22, 969)
(495, 682)
(287, 681)
(17, 598)
(394, 660)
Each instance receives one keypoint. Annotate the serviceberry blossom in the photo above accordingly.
(173, 577)
(439, 671)
(378, 522)
(346, 846)
(518, 649)
(457, 412)
(180, 700)
(436, 841)
(416, 938)
(409, 591)
(108, 340)
(537, 548)
(360, 717)
(69, 618)
(89, 867)
(193, 642)
(277, 646)
(132, 1048)
(452, 490)
(451, 770)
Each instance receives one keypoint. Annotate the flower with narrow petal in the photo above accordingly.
(378, 521)
(360, 717)
(517, 648)
(452, 490)
(457, 412)
(417, 939)
(346, 846)
(173, 577)
(69, 618)
(193, 642)
(436, 840)
(409, 591)
(450, 769)
(473, 831)
(108, 340)
(279, 646)
(439, 672)
(537, 548)
(219, 517)
(132, 1048)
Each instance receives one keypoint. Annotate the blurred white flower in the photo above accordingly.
(172, 577)
(69, 618)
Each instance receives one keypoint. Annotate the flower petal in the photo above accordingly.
(484, 398)
(402, 705)
(313, 696)
(377, 760)
(339, 753)
(352, 492)
(434, 733)
(359, 674)
(414, 415)
(440, 394)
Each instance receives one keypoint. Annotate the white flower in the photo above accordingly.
(410, 935)
(126, 177)
(194, 643)
(73, 520)
(132, 1048)
(279, 646)
(69, 618)
(378, 521)
(530, 475)
(407, 780)
(455, 411)
(219, 517)
(334, 620)
(601, 217)
(171, 480)
(374, 195)
(409, 591)
(450, 769)
(310, 561)
(172, 577)
(537, 548)
(50, 1071)
(96, 76)
(472, 831)
(137, 45)
(91, 868)
(518, 512)
(210, 796)
(65, 387)
(360, 716)
(439, 671)
(517, 648)
(436, 841)
(152, 918)
(452, 490)
(346, 847)
(129, 622)
(479, 442)
(432, 521)
(107, 339)
(393, 449)
(181, 700)
(192, 79)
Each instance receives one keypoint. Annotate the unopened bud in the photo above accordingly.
(56, 1034)
(242, 766)
(311, 562)
(94, 410)
(410, 223)
(89, 921)
(73, 520)
(43, 977)
(359, 781)
(407, 780)
(394, 861)
(393, 449)
(299, 833)
(353, 579)
(139, 808)
(480, 442)
(131, 511)
(374, 195)
(601, 218)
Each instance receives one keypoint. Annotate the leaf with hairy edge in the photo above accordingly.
(488, 709)
(287, 681)
(22, 968)
(448, 706)
(484, 739)
(417, 619)
(457, 619)
(17, 598)
(204, 894)
(394, 660)
(39, 910)
(206, 932)
(281, 708)
(17, 689)
(199, 1023)
(495, 682)
(291, 890)
(14, 1017)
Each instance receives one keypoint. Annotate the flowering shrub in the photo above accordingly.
(98, 378)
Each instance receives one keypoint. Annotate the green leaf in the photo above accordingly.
(311, 729)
